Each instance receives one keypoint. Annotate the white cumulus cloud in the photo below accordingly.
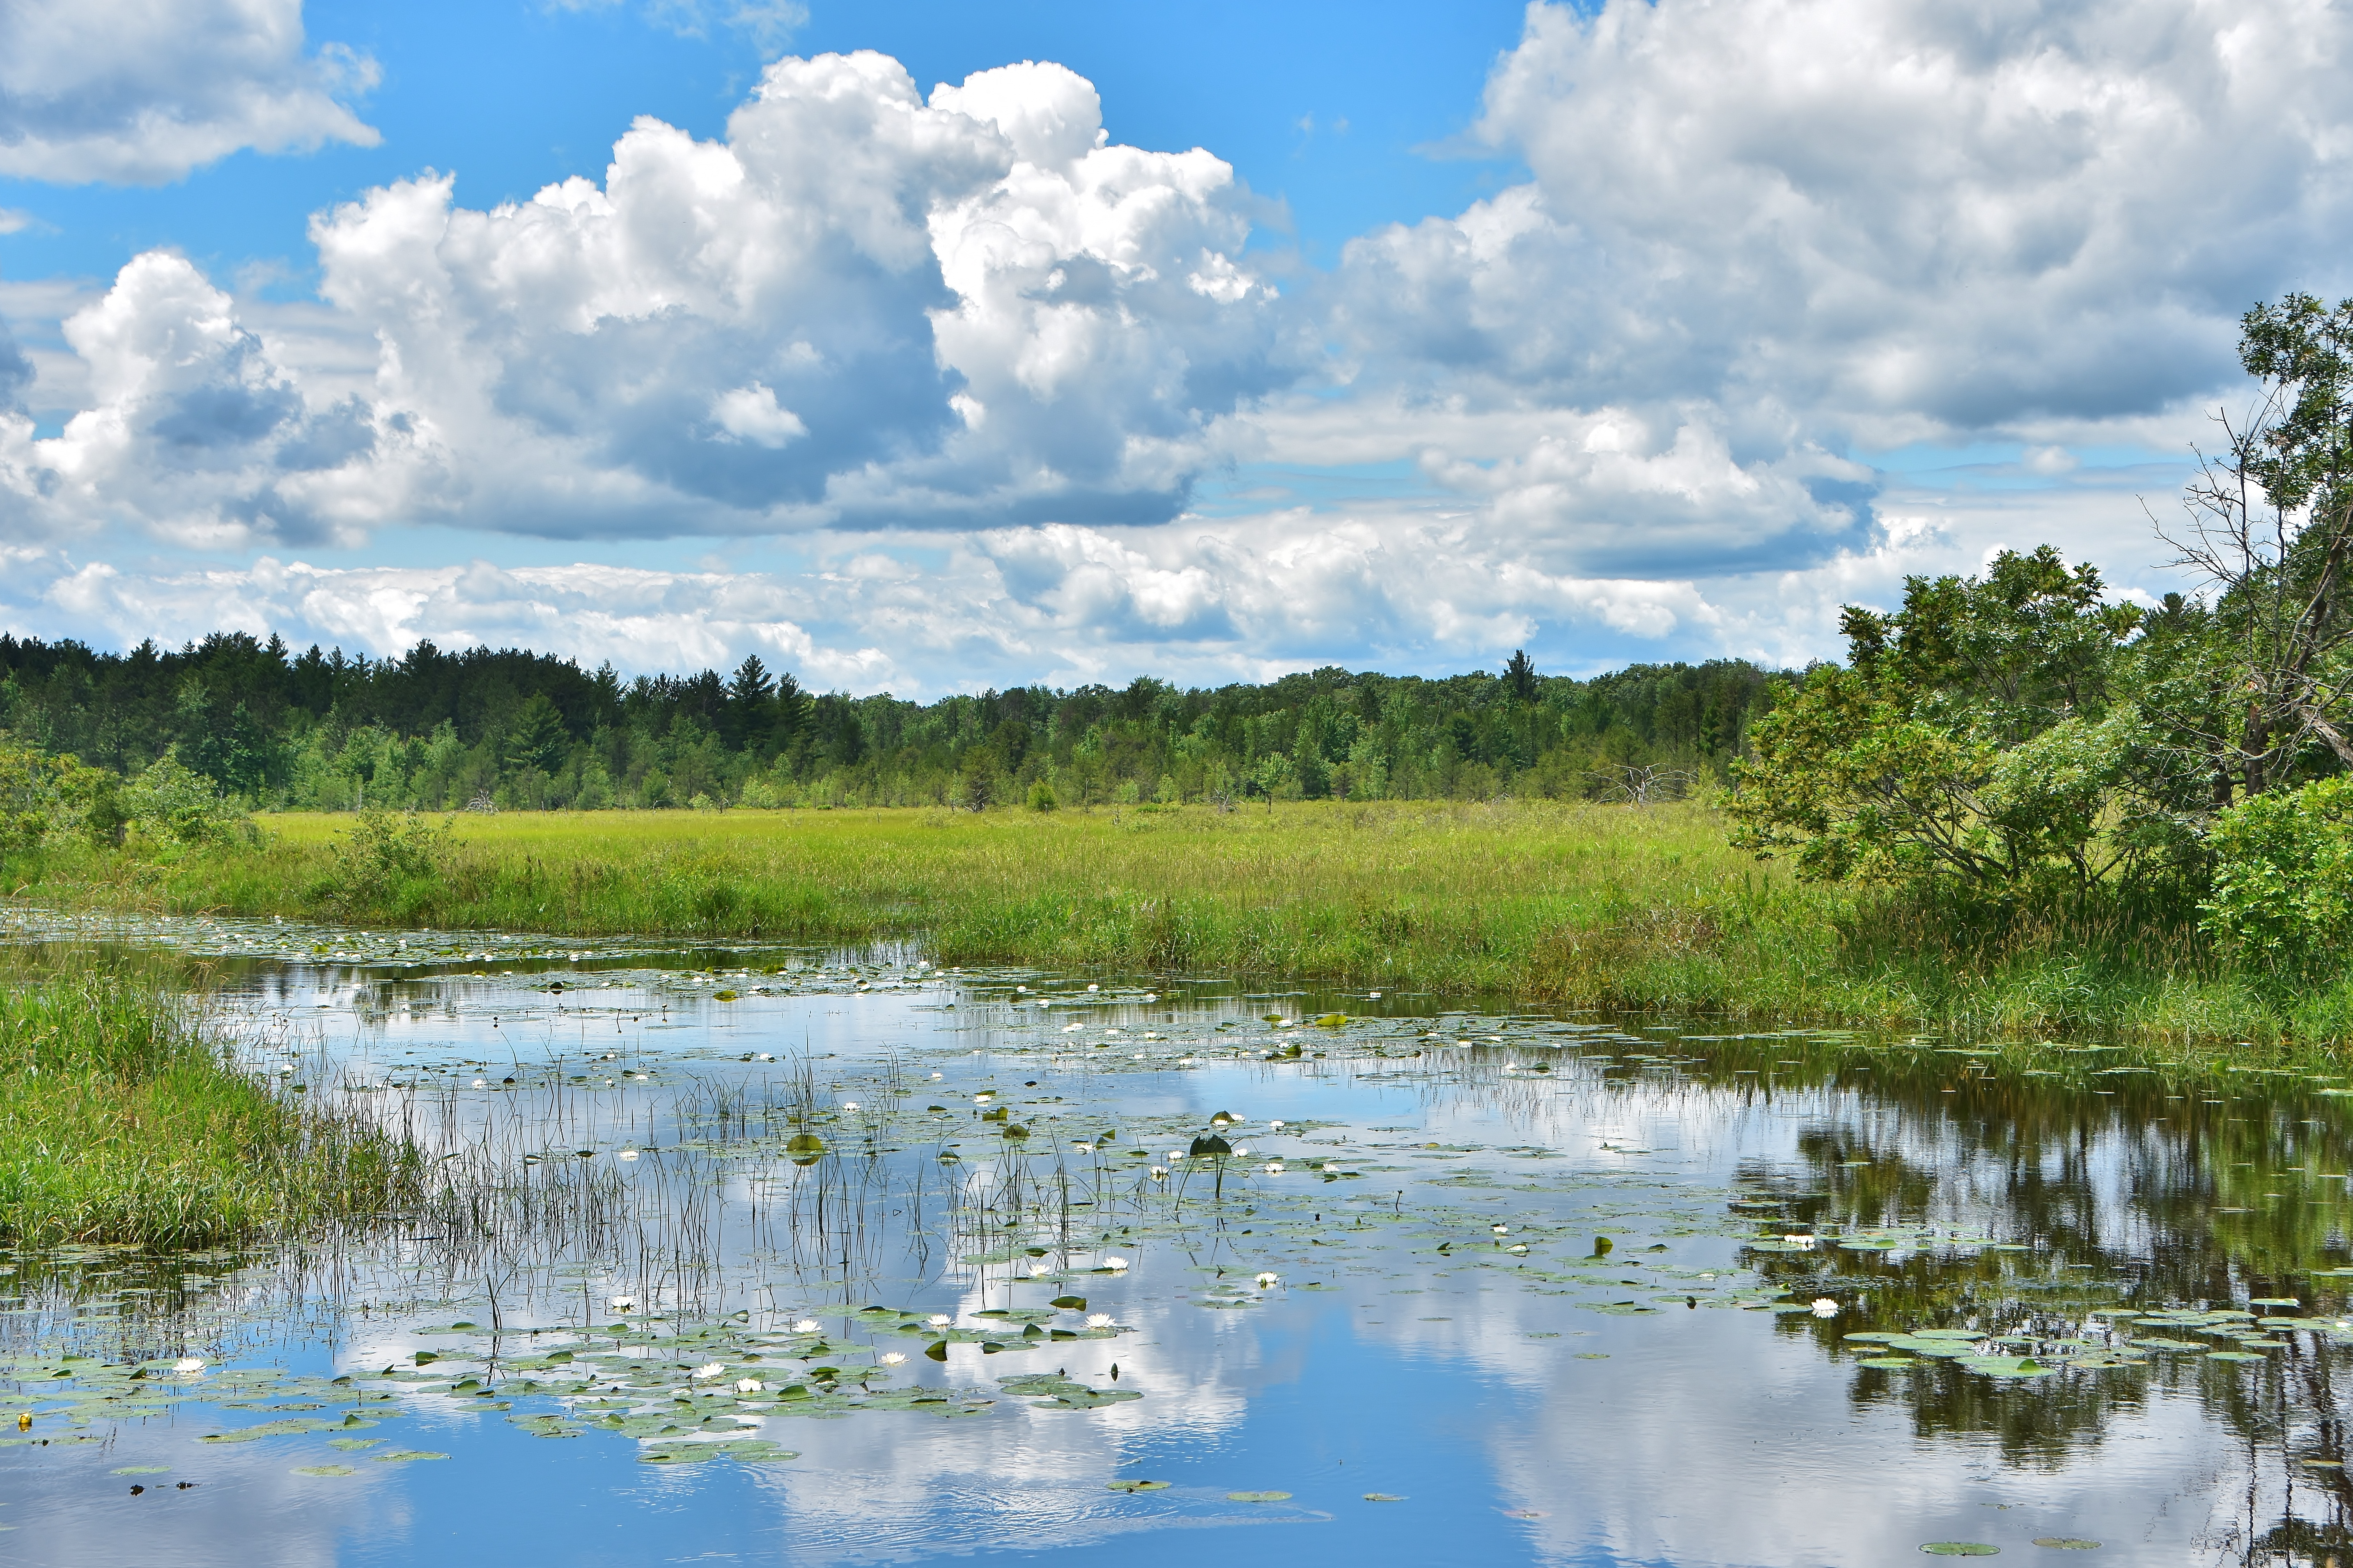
(857, 308)
(142, 92)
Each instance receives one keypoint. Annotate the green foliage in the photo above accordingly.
(1042, 797)
(124, 1118)
(433, 731)
(387, 863)
(1976, 737)
(55, 802)
(169, 807)
(2306, 349)
(2283, 896)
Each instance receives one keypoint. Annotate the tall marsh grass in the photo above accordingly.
(125, 1117)
(1587, 905)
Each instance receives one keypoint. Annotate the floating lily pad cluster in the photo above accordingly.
(74, 1398)
(709, 1392)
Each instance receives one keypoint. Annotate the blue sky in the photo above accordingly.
(1643, 331)
(1343, 115)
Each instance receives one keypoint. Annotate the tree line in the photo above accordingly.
(439, 730)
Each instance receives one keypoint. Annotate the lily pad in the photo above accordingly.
(2066, 1543)
(1258, 1497)
(1960, 1548)
(324, 1470)
(1383, 1496)
(1135, 1486)
(404, 1456)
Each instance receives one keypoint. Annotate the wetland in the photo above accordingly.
(817, 1255)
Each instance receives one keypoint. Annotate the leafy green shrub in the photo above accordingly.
(2282, 898)
(169, 806)
(389, 860)
(1042, 797)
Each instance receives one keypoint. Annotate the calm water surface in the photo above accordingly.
(776, 1257)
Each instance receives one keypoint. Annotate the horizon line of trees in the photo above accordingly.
(479, 728)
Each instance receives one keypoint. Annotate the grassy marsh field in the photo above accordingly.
(1587, 905)
(124, 1116)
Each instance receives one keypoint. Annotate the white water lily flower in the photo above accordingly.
(627, 1154)
(623, 1303)
(849, 1105)
(1519, 1246)
(1273, 1167)
(1099, 1319)
(1038, 1271)
(1159, 1172)
(189, 1364)
(1084, 1147)
(939, 1075)
(1794, 1240)
(1825, 1307)
(749, 1385)
(481, 1083)
(1241, 1148)
(1093, 988)
(1331, 1167)
(807, 1326)
(940, 1319)
(1276, 1125)
(708, 1371)
(891, 1358)
(1266, 1280)
(1115, 1264)
(1501, 1229)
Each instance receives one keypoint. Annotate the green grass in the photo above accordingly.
(1586, 905)
(123, 1118)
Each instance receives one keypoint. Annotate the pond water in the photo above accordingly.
(792, 1257)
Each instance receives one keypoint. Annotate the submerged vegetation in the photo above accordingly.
(125, 1116)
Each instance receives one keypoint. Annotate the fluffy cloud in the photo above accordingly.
(1895, 217)
(858, 307)
(142, 92)
(1758, 236)
(195, 429)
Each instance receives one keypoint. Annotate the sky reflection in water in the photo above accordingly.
(1668, 1399)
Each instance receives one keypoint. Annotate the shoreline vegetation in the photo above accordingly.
(126, 1118)
(1644, 909)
